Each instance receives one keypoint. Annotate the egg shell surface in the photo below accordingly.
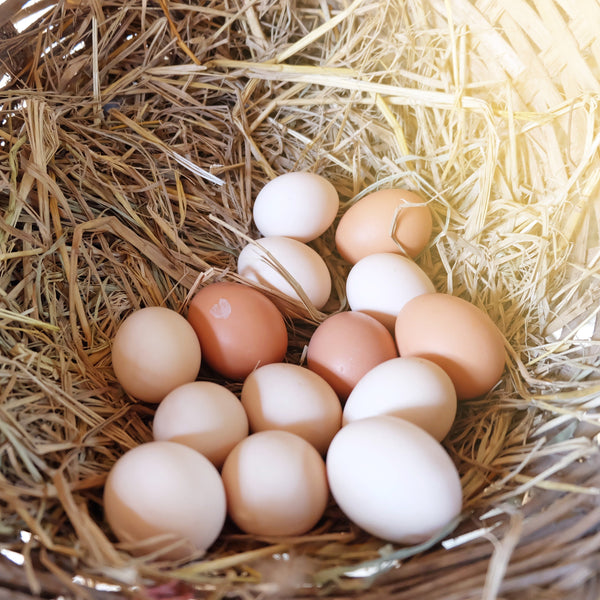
(414, 389)
(299, 261)
(239, 328)
(154, 351)
(165, 489)
(392, 479)
(456, 335)
(203, 415)
(297, 205)
(276, 484)
(345, 346)
(390, 220)
(381, 284)
(292, 398)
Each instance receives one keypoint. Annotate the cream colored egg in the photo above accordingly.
(276, 484)
(414, 389)
(381, 284)
(167, 498)
(393, 479)
(155, 350)
(297, 205)
(268, 258)
(203, 415)
(292, 398)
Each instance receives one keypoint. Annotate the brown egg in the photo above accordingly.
(154, 351)
(347, 345)
(367, 227)
(457, 336)
(239, 328)
(276, 484)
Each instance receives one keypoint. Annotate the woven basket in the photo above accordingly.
(134, 139)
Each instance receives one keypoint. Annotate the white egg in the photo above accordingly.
(381, 284)
(300, 263)
(298, 205)
(392, 479)
(292, 398)
(414, 389)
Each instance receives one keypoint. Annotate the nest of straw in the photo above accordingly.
(134, 138)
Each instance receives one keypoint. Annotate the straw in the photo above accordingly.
(134, 140)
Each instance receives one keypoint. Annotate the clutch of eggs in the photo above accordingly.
(362, 421)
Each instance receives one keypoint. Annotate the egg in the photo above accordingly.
(456, 335)
(203, 415)
(414, 389)
(229, 319)
(276, 484)
(297, 205)
(292, 398)
(347, 345)
(262, 262)
(167, 498)
(393, 479)
(154, 351)
(381, 284)
(390, 220)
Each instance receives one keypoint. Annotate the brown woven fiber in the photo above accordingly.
(134, 138)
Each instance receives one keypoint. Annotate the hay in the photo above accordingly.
(134, 138)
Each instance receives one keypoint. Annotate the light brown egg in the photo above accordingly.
(382, 220)
(457, 336)
(154, 351)
(347, 345)
(163, 496)
(239, 328)
(276, 484)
